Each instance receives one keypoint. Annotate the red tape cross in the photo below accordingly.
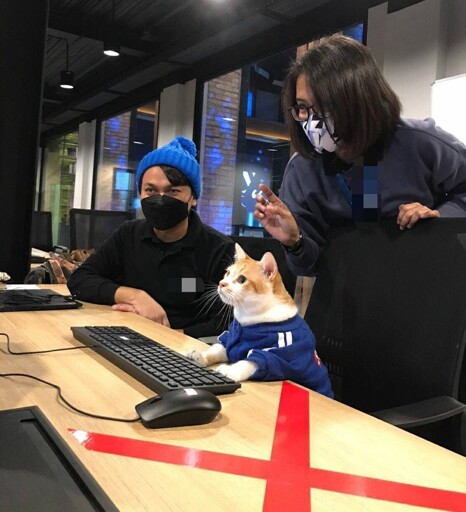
(288, 473)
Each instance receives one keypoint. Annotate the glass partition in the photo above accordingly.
(58, 178)
(124, 140)
(244, 143)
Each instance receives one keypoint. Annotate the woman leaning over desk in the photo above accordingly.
(355, 159)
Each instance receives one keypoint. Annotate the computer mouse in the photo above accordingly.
(178, 408)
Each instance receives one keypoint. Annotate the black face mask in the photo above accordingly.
(164, 212)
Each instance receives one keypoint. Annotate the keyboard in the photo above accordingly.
(151, 363)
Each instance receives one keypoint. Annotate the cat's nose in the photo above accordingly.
(222, 284)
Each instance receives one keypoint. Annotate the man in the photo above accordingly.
(165, 267)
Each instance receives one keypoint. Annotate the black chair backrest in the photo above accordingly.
(255, 247)
(41, 231)
(388, 309)
(90, 228)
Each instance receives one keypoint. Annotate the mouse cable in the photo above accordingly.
(133, 420)
(40, 351)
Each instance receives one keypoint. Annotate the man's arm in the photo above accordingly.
(138, 301)
(95, 280)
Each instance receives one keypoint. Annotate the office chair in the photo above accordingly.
(41, 231)
(257, 246)
(388, 310)
(90, 228)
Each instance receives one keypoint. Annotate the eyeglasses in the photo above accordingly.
(302, 113)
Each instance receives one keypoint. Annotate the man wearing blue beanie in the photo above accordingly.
(163, 267)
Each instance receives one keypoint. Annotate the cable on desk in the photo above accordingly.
(133, 420)
(38, 351)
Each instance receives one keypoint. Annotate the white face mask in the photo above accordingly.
(319, 133)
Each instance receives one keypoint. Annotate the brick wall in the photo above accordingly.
(220, 143)
(114, 153)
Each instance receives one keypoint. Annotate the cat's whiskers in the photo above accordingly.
(226, 296)
(230, 260)
(239, 304)
(210, 291)
(207, 300)
(227, 314)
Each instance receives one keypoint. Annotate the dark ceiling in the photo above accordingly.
(164, 42)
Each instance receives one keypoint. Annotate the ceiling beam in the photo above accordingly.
(92, 30)
(96, 42)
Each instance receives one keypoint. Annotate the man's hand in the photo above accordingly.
(138, 301)
(410, 213)
(276, 217)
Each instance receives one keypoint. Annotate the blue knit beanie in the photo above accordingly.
(180, 153)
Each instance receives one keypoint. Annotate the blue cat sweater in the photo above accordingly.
(282, 350)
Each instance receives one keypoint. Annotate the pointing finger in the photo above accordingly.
(268, 194)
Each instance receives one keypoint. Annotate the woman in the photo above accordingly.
(356, 158)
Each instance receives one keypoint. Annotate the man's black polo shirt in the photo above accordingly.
(177, 275)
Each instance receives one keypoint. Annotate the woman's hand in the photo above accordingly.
(410, 213)
(275, 217)
(138, 301)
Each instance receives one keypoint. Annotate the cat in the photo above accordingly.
(267, 340)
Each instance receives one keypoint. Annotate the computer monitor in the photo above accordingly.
(38, 471)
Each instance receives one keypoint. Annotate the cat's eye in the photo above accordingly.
(242, 279)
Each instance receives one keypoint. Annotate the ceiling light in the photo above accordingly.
(66, 76)
(111, 49)
(67, 80)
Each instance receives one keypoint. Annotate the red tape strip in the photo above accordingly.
(288, 473)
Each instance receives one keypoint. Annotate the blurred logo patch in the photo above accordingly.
(186, 285)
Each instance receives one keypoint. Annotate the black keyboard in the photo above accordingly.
(151, 363)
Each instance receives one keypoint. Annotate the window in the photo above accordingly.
(125, 139)
(244, 142)
(58, 178)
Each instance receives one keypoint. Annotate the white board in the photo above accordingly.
(449, 105)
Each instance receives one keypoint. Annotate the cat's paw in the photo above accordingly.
(239, 371)
(225, 369)
(196, 356)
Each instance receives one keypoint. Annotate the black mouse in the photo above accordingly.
(178, 408)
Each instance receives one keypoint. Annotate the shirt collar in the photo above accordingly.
(194, 230)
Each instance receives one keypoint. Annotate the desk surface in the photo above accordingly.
(274, 447)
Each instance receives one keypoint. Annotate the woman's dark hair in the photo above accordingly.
(348, 86)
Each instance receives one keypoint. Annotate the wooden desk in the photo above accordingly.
(261, 453)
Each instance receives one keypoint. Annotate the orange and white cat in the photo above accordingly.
(267, 340)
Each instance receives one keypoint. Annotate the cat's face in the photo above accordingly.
(241, 279)
(255, 290)
(248, 280)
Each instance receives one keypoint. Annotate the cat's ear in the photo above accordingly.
(268, 264)
(239, 253)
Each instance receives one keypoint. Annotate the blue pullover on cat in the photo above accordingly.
(282, 350)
